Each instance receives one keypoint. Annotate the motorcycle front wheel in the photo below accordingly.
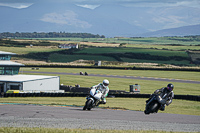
(88, 105)
(84, 108)
(153, 107)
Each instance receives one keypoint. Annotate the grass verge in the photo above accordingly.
(61, 130)
(136, 104)
(147, 86)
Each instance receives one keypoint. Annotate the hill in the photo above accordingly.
(180, 31)
(107, 19)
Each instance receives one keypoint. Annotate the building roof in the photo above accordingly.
(68, 45)
(6, 53)
(10, 63)
(23, 78)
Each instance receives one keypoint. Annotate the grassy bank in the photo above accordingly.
(60, 130)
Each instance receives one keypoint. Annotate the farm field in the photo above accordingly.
(27, 50)
(60, 58)
(132, 50)
(118, 40)
(163, 50)
(164, 47)
(130, 55)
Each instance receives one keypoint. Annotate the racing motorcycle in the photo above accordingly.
(93, 101)
(152, 105)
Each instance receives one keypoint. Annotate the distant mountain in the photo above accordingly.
(109, 19)
(180, 31)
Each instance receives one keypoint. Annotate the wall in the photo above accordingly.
(42, 85)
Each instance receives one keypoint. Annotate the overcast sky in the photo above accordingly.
(92, 4)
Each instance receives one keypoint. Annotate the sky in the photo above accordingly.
(92, 4)
(153, 16)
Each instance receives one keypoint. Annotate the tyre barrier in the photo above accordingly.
(132, 95)
(75, 89)
(182, 97)
(187, 97)
(45, 95)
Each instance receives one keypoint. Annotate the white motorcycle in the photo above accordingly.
(93, 100)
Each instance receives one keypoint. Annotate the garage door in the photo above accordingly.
(14, 87)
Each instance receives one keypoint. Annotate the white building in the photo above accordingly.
(10, 80)
(30, 83)
(69, 46)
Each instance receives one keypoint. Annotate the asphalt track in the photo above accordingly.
(118, 76)
(97, 118)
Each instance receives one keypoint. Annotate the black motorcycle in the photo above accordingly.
(152, 105)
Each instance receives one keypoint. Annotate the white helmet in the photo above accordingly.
(105, 83)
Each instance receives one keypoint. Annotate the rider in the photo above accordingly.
(103, 88)
(165, 95)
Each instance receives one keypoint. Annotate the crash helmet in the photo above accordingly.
(170, 87)
(105, 83)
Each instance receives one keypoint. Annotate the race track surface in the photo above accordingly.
(75, 117)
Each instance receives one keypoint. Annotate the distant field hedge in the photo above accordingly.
(111, 67)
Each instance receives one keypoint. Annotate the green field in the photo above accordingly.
(94, 58)
(172, 62)
(147, 86)
(70, 58)
(136, 55)
(164, 46)
(131, 55)
(27, 50)
(133, 50)
(148, 40)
